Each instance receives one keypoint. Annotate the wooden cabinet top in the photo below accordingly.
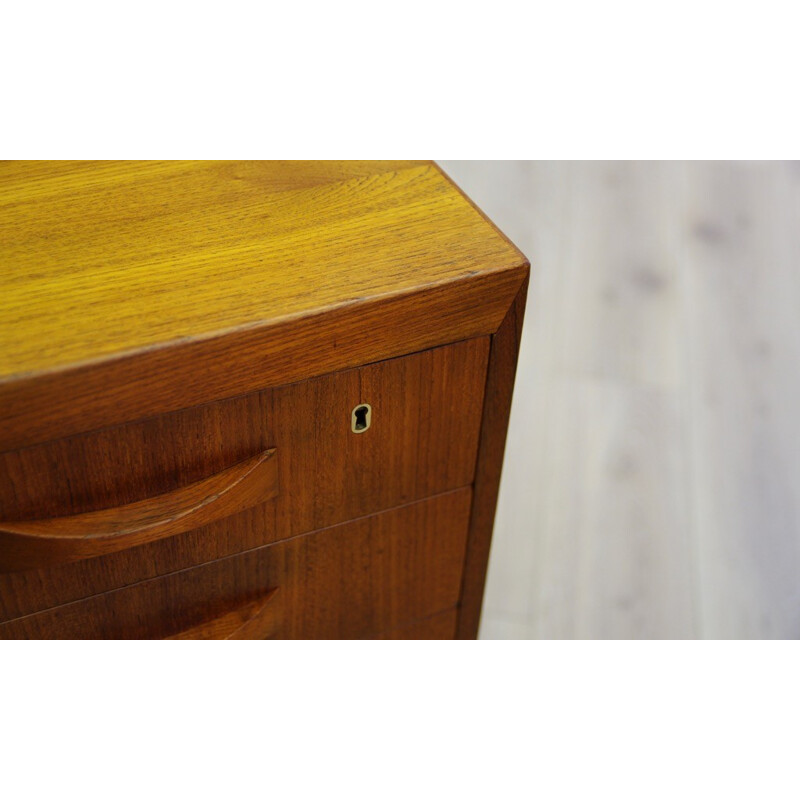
(135, 288)
(100, 259)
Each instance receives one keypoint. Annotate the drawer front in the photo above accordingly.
(437, 626)
(396, 574)
(422, 440)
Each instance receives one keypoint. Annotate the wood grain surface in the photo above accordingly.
(437, 626)
(163, 321)
(496, 409)
(257, 619)
(36, 543)
(423, 440)
(164, 380)
(364, 578)
(137, 288)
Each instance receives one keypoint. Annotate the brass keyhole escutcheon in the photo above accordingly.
(361, 418)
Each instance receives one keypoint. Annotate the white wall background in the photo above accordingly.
(652, 478)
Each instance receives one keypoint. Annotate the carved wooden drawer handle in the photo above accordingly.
(37, 543)
(257, 619)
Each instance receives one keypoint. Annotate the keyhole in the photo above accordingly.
(361, 418)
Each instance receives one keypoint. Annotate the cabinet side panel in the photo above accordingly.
(494, 425)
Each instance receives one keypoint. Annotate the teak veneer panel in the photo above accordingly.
(161, 321)
(163, 380)
(37, 543)
(359, 579)
(437, 626)
(494, 426)
(138, 288)
(423, 441)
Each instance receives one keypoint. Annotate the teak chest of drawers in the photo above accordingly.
(249, 399)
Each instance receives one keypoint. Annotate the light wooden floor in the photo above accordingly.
(652, 479)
